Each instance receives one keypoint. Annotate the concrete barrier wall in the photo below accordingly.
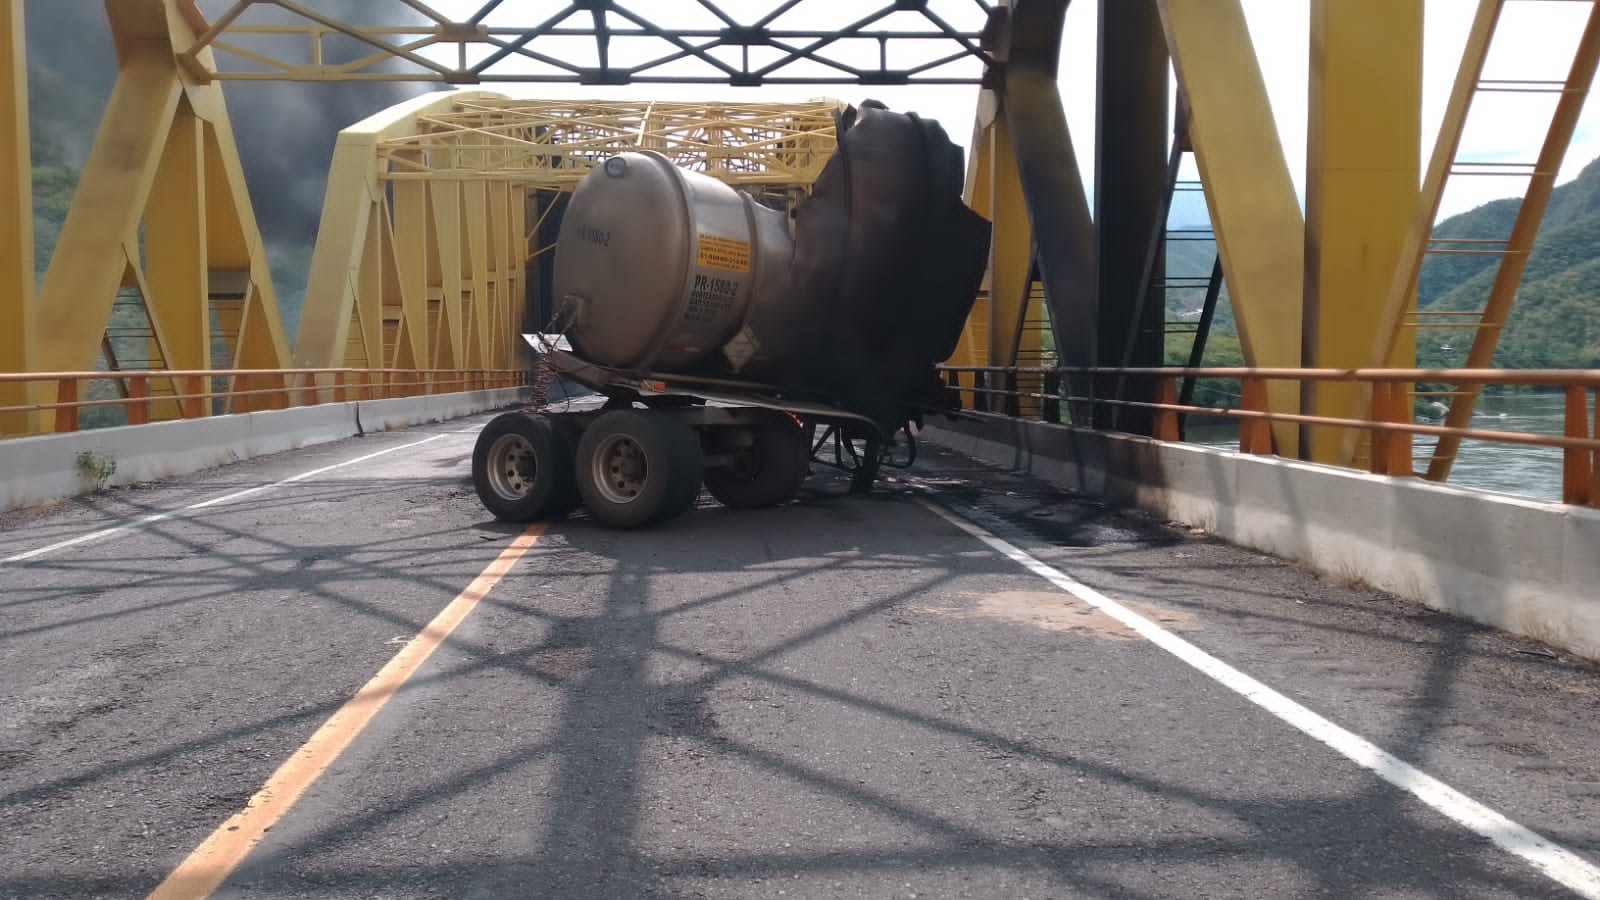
(43, 469)
(1527, 567)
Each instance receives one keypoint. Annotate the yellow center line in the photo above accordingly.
(204, 870)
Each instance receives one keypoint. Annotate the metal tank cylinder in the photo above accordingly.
(661, 265)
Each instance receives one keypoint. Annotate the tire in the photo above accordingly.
(866, 474)
(690, 459)
(772, 471)
(629, 468)
(522, 468)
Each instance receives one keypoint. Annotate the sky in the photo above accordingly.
(1535, 42)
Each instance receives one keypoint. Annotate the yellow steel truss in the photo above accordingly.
(425, 233)
(1260, 230)
(434, 207)
(16, 214)
(161, 212)
(1364, 139)
(583, 42)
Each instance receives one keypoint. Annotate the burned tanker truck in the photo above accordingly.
(727, 342)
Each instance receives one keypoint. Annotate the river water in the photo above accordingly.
(1531, 472)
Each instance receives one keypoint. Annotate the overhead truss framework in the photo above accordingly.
(602, 42)
(551, 144)
(435, 209)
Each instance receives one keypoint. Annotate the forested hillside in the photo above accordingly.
(1555, 321)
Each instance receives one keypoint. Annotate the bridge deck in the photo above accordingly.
(847, 697)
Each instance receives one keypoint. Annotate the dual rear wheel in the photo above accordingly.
(633, 468)
(636, 469)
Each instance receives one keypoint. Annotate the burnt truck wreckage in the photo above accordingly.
(727, 344)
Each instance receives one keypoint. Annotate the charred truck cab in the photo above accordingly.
(729, 342)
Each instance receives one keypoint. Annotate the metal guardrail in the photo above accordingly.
(156, 395)
(1392, 426)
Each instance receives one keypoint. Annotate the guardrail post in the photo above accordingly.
(67, 415)
(1577, 464)
(194, 389)
(1391, 450)
(1166, 419)
(1400, 413)
(138, 405)
(1594, 458)
(1255, 433)
(1051, 408)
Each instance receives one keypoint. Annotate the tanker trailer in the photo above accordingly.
(719, 333)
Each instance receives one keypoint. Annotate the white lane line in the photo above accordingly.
(1555, 861)
(214, 501)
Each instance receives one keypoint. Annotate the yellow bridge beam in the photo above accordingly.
(1362, 169)
(1260, 230)
(16, 212)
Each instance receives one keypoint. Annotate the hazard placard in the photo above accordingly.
(714, 252)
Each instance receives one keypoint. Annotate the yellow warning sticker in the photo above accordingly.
(722, 253)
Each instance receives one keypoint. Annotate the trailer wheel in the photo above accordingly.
(630, 467)
(690, 460)
(770, 471)
(522, 468)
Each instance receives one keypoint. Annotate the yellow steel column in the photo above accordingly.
(451, 349)
(16, 215)
(411, 254)
(500, 249)
(367, 325)
(1010, 248)
(475, 281)
(1260, 231)
(1362, 170)
(175, 246)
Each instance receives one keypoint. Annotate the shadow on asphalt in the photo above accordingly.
(612, 709)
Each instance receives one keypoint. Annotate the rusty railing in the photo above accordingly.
(1392, 427)
(57, 401)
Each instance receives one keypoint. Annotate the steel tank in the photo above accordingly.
(658, 267)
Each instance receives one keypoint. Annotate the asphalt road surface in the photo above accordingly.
(847, 697)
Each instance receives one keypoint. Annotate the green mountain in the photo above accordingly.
(54, 175)
(1554, 322)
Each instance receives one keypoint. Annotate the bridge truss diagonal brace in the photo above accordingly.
(1058, 207)
(164, 161)
(1254, 212)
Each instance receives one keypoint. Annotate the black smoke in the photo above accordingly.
(286, 131)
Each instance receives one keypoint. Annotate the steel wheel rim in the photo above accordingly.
(512, 466)
(619, 469)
